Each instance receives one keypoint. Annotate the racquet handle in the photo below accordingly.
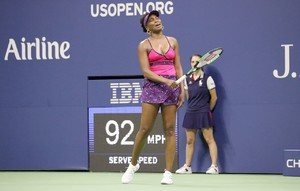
(180, 79)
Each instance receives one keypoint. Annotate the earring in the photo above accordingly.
(148, 31)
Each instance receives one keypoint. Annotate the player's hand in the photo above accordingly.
(171, 83)
(180, 102)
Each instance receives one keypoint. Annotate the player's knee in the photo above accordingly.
(144, 131)
(169, 130)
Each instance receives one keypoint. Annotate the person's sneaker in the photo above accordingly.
(129, 173)
(212, 170)
(167, 178)
(184, 170)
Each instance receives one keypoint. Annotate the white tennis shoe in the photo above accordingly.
(129, 173)
(212, 170)
(167, 178)
(184, 170)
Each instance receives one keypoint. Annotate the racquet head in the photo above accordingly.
(209, 57)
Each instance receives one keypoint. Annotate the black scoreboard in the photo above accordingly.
(114, 119)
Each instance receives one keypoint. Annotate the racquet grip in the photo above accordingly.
(180, 79)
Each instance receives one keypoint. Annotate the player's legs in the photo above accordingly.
(169, 123)
(209, 138)
(148, 116)
(190, 142)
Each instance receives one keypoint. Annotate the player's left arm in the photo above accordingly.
(178, 68)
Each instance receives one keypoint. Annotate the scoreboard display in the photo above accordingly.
(114, 119)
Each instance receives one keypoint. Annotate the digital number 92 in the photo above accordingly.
(112, 129)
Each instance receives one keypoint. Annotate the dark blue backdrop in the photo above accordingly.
(43, 102)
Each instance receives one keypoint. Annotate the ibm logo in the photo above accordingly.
(125, 93)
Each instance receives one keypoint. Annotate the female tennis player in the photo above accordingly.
(159, 60)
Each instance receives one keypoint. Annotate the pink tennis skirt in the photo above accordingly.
(159, 93)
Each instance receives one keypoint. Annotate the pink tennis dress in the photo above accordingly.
(163, 65)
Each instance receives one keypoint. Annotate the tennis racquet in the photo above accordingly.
(207, 58)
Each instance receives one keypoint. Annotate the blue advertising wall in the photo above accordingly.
(48, 49)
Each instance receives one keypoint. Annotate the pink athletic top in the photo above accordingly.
(162, 64)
